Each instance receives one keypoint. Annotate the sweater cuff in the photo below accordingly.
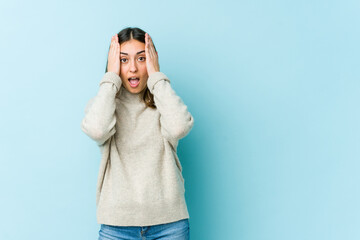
(154, 78)
(111, 77)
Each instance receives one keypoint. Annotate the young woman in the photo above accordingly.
(137, 119)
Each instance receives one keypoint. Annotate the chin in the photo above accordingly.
(135, 90)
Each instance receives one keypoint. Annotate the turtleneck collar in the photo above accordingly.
(126, 96)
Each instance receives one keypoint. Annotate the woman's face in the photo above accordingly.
(133, 64)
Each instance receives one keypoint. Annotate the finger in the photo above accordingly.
(152, 50)
(112, 47)
(117, 41)
(112, 42)
(148, 45)
(116, 46)
(150, 40)
(152, 47)
(118, 50)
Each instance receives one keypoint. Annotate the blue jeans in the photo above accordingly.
(179, 230)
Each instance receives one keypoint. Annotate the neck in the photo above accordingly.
(126, 96)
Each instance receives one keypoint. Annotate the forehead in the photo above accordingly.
(132, 47)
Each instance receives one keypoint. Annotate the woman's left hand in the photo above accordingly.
(152, 58)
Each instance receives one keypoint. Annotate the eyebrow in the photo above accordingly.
(136, 53)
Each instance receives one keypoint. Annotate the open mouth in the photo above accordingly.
(134, 81)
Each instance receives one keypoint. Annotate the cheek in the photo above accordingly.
(143, 68)
(122, 76)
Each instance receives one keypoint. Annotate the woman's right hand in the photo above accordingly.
(114, 56)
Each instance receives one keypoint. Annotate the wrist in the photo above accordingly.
(151, 72)
(109, 70)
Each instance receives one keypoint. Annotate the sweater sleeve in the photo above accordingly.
(100, 119)
(175, 119)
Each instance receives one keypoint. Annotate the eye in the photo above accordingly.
(142, 58)
(121, 60)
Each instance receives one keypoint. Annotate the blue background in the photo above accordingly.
(273, 87)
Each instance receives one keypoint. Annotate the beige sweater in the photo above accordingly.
(140, 180)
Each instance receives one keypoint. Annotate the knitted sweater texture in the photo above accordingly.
(140, 180)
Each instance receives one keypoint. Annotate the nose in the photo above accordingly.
(133, 67)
